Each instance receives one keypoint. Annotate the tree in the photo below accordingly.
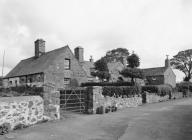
(132, 71)
(116, 55)
(183, 62)
(133, 61)
(101, 70)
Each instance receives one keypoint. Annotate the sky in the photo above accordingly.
(150, 28)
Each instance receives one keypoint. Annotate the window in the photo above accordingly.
(16, 82)
(10, 82)
(67, 64)
(67, 81)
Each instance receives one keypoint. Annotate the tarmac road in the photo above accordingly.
(170, 120)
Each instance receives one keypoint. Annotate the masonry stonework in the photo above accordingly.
(21, 110)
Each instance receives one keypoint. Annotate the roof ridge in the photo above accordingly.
(46, 53)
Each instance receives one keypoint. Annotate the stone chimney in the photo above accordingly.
(91, 59)
(79, 53)
(167, 62)
(39, 47)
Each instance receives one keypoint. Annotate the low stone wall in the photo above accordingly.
(96, 100)
(153, 98)
(177, 95)
(26, 110)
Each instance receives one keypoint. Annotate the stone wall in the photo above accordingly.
(96, 100)
(177, 95)
(26, 110)
(153, 98)
(29, 110)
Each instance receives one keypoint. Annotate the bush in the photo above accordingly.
(161, 90)
(121, 91)
(4, 128)
(106, 84)
(100, 110)
(20, 126)
(21, 90)
(181, 87)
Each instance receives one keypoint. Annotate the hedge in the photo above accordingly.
(106, 84)
(161, 90)
(181, 87)
(21, 90)
(125, 91)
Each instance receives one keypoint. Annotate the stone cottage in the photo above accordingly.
(60, 68)
(160, 75)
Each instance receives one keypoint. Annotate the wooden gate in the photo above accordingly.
(73, 100)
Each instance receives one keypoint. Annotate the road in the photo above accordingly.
(170, 120)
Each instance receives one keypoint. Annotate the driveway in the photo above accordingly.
(170, 120)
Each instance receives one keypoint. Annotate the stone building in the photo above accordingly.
(160, 75)
(60, 68)
(114, 69)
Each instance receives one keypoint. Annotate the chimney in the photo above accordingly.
(39, 47)
(79, 52)
(167, 62)
(91, 58)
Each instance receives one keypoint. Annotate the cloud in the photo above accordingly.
(151, 28)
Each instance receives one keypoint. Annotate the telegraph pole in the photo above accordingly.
(3, 62)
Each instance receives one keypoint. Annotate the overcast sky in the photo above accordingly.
(152, 28)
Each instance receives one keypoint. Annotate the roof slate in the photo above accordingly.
(154, 71)
(35, 65)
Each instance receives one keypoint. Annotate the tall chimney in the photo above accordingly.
(167, 62)
(39, 47)
(79, 53)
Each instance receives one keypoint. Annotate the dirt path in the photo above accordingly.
(167, 121)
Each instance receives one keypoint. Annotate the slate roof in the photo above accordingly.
(154, 71)
(35, 65)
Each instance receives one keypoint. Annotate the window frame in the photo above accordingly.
(67, 66)
(67, 84)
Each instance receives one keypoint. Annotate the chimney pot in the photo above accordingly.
(167, 62)
(91, 58)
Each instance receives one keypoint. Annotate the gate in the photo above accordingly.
(73, 100)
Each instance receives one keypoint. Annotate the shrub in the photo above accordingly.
(161, 90)
(4, 128)
(121, 91)
(106, 84)
(19, 126)
(21, 90)
(100, 110)
(181, 87)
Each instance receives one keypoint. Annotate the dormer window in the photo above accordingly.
(67, 64)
